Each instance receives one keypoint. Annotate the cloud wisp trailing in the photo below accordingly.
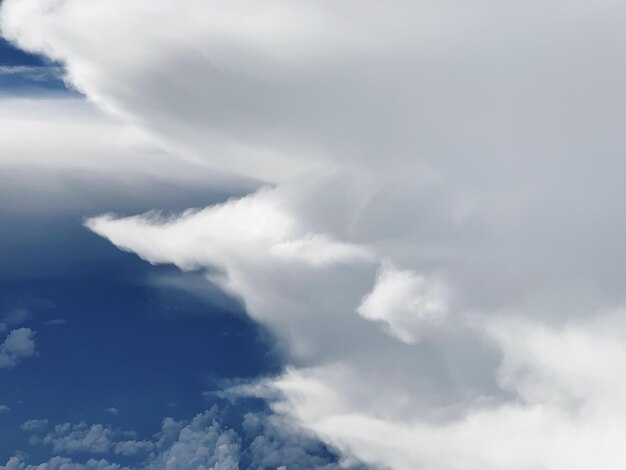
(438, 248)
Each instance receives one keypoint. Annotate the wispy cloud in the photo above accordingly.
(34, 73)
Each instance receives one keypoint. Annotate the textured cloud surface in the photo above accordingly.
(439, 246)
(203, 443)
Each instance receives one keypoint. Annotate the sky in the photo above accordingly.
(102, 341)
(283, 235)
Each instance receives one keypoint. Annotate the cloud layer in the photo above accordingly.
(440, 255)
(205, 442)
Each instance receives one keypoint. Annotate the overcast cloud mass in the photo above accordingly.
(422, 202)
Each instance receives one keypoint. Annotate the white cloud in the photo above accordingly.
(202, 443)
(567, 415)
(4, 409)
(406, 302)
(276, 253)
(100, 143)
(17, 346)
(319, 250)
(83, 160)
(476, 146)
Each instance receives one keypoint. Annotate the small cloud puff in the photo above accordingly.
(406, 302)
(18, 345)
(34, 425)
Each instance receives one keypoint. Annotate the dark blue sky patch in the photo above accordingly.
(32, 80)
(27, 74)
(10, 55)
(123, 341)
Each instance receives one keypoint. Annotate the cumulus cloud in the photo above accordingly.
(276, 259)
(60, 463)
(70, 438)
(204, 442)
(17, 346)
(476, 148)
(274, 442)
(200, 444)
(566, 414)
(4, 409)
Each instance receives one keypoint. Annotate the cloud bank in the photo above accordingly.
(439, 250)
(205, 442)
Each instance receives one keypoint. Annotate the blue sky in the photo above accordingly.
(27, 73)
(14, 56)
(123, 342)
